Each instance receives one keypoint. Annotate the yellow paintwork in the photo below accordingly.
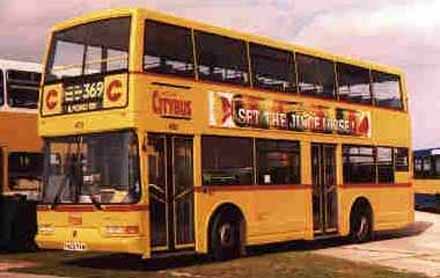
(427, 186)
(92, 230)
(271, 215)
(18, 133)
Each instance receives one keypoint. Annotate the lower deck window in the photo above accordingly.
(359, 164)
(246, 161)
(427, 166)
(25, 170)
(385, 168)
(227, 160)
(277, 162)
(368, 164)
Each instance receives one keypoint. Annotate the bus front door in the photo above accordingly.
(324, 189)
(170, 160)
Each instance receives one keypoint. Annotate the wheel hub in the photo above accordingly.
(226, 238)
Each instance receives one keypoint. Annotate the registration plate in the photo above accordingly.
(73, 245)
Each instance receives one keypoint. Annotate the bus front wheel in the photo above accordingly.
(225, 238)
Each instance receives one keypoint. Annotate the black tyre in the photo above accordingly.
(361, 228)
(225, 240)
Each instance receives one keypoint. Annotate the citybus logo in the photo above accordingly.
(51, 99)
(114, 90)
(172, 106)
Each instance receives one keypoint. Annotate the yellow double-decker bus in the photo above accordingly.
(21, 156)
(165, 135)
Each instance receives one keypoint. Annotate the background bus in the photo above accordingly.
(21, 157)
(170, 135)
(427, 178)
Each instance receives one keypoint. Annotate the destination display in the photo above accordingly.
(241, 111)
(85, 94)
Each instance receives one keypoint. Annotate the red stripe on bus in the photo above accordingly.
(125, 207)
(42, 208)
(86, 208)
(75, 208)
(208, 188)
(376, 185)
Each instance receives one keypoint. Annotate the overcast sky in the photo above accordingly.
(396, 32)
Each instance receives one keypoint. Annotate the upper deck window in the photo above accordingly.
(221, 59)
(354, 84)
(272, 68)
(22, 88)
(316, 76)
(168, 49)
(96, 47)
(386, 90)
(2, 91)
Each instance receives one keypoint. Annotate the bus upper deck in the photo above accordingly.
(163, 134)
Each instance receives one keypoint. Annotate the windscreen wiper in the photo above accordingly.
(60, 190)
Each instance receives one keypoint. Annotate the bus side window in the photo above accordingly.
(418, 167)
(316, 76)
(23, 88)
(278, 162)
(427, 169)
(385, 168)
(272, 68)
(436, 166)
(25, 170)
(359, 164)
(401, 160)
(2, 170)
(386, 90)
(221, 59)
(227, 160)
(354, 84)
(168, 49)
(2, 91)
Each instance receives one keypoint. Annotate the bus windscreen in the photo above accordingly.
(96, 47)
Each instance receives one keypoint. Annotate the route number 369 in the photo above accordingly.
(94, 90)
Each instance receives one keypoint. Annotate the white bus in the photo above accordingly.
(20, 145)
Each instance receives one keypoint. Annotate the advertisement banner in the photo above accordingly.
(242, 111)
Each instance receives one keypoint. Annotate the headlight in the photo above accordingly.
(46, 229)
(121, 230)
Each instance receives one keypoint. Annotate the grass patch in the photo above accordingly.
(283, 264)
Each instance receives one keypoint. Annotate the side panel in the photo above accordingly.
(392, 208)
(271, 215)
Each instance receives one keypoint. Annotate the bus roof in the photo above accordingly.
(19, 65)
(159, 16)
(426, 152)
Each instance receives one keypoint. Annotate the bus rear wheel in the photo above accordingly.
(225, 238)
(361, 228)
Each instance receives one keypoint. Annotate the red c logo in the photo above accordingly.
(113, 94)
(51, 99)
